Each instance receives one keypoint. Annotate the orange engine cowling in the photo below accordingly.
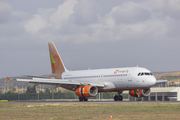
(143, 93)
(86, 91)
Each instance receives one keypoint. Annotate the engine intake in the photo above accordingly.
(143, 93)
(86, 91)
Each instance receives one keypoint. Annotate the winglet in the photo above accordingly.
(8, 79)
(164, 78)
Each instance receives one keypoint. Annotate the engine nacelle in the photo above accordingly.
(86, 91)
(143, 93)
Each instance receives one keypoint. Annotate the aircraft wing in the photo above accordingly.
(61, 82)
(161, 81)
(32, 76)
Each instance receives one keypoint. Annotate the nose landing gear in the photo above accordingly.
(118, 97)
(138, 98)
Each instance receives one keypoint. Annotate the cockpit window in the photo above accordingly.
(144, 73)
(147, 73)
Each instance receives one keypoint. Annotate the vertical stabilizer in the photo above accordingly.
(57, 65)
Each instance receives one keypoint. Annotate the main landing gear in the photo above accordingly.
(118, 97)
(83, 99)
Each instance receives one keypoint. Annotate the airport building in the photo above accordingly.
(161, 94)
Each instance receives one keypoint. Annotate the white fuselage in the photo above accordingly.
(115, 79)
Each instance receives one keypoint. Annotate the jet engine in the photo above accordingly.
(143, 93)
(86, 91)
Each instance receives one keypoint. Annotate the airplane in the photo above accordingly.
(87, 83)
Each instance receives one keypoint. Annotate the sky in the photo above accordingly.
(89, 34)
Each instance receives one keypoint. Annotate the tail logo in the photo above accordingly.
(54, 62)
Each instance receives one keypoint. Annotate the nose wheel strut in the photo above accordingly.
(138, 98)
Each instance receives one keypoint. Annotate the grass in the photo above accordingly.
(89, 111)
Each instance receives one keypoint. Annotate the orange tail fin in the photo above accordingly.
(57, 65)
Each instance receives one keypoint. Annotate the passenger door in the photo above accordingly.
(130, 81)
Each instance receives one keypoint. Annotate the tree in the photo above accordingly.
(14, 90)
(52, 87)
(11, 91)
(31, 89)
(47, 90)
(0, 91)
(41, 92)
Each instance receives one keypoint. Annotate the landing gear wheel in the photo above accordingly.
(118, 98)
(83, 99)
(139, 99)
(80, 98)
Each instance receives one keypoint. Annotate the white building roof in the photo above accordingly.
(161, 89)
(165, 89)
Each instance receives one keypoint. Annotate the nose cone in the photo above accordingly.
(152, 81)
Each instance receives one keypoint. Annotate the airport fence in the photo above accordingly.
(44, 96)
